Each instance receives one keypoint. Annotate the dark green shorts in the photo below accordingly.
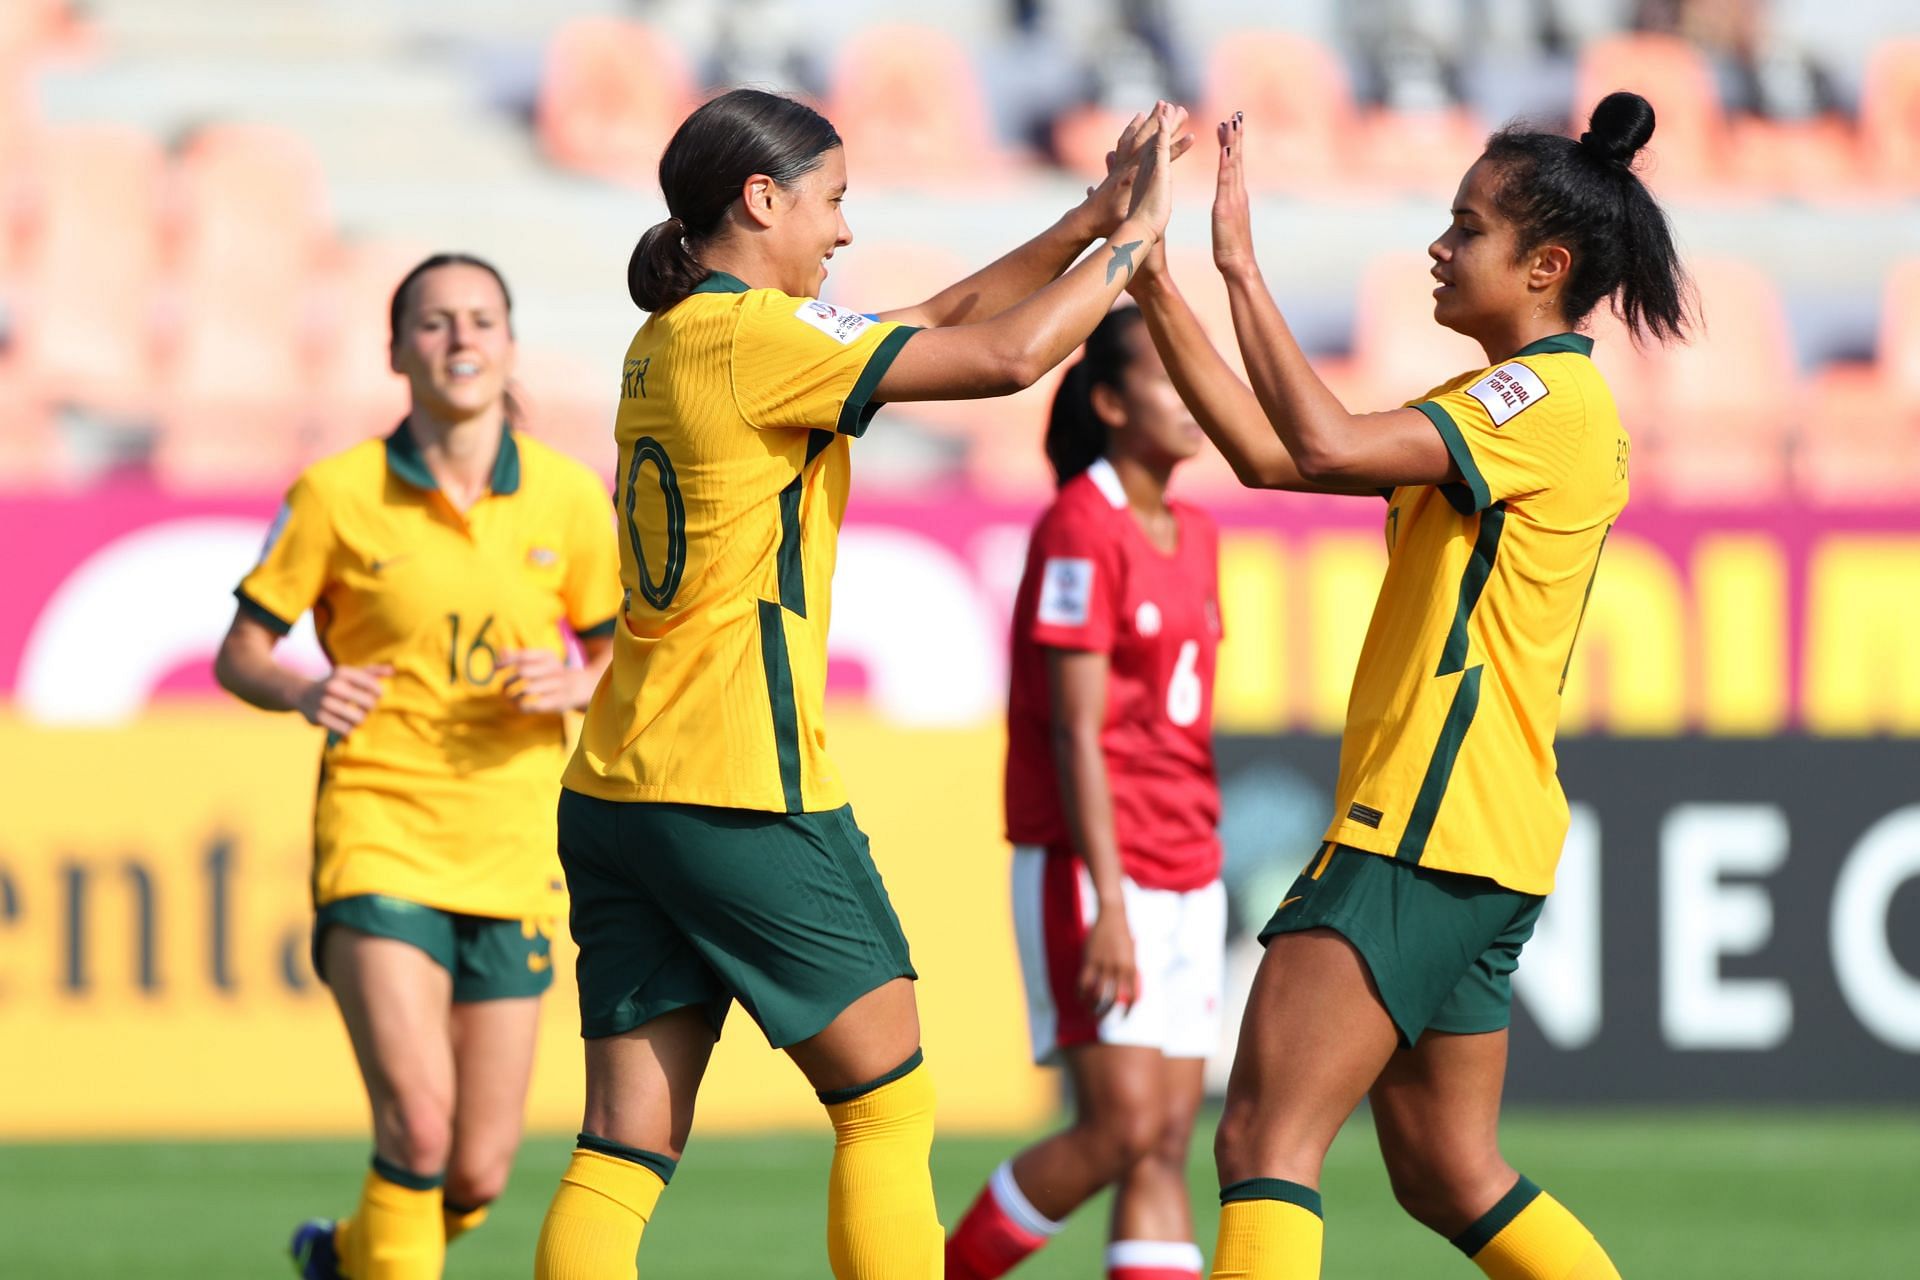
(679, 904)
(489, 958)
(1442, 946)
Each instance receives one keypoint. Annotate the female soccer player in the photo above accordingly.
(444, 566)
(1388, 963)
(1112, 805)
(708, 845)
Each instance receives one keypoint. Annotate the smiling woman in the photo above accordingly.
(1389, 962)
(445, 567)
(709, 848)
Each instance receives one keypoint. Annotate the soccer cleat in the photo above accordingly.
(312, 1249)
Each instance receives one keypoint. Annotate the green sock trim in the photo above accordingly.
(1273, 1189)
(662, 1166)
(1495, 1220)
(832, 1096)
(407, 1178)
(462, 1210)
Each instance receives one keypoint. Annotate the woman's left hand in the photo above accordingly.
(1106, 205)
(539, 680)
(1232, 220)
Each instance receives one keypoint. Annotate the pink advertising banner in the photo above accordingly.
(1743, 623)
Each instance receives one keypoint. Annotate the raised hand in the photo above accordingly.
(1151, 199)
(1232, 221)
(340, 700)
(1107, 203)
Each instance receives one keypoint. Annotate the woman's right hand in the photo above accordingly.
(1152, 202)
(1109, 975)
(340, 700)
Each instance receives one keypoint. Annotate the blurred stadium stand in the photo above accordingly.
(204, 204)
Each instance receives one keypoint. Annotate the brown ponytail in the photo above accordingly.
(713, 152)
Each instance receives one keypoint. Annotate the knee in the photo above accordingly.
(1122, 1139)
(417, 1132)
(1445, 1195)
(474, 1184)
(1234, 1140)
(1174, 1139)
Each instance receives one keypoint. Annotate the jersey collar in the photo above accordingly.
(1578, 343)
(721, 282)
(1107, 481)
(404, 460)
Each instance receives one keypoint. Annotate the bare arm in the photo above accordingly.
(1077, 688)
(1013, 349)
(994, 288)
(1225, 408)
(245, 668)
(1328, 446)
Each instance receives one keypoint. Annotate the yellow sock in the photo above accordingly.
(606, 1197)
(1530, 1236)
(343, 1245)
(456, 1221)
(1270, 1229)
(881, 1220)
(395, 1234)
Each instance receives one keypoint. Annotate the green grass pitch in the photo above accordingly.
(1683, 1193)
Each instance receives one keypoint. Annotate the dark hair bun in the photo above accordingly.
(1619, 127)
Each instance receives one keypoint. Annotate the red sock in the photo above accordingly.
(1153, 1260)
(999, 1230)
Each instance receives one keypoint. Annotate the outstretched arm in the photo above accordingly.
(1224, 407)
(1004, 282)
(1012, 350)
(1329, 446)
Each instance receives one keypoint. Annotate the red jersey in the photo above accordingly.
(1094, 582)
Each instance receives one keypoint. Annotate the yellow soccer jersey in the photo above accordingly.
(735, 412)
(445, 794)
(1448, 758)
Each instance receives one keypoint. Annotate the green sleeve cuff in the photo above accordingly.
(598, 631)
(251, 608)
(860, 407)
(1473, 495)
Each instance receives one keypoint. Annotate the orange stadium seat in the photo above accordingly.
(1899, 345)
(1421, 151)
(1812, 159)
(1890, 113)
(1689, 146)
(253, 226)
(1302, 128)
(31, 27)
(92, 265)
(1860, 442)
(883, 277)
(909, 105)
(359, 394)
(31, 455)
(611, 94)
(568, 402)
(1722, 405)
(1398, 350)
(1861, 439)
(1083, 136)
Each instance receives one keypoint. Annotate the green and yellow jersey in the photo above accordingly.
(1448, 758)
(736, 409)
(444, 795)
